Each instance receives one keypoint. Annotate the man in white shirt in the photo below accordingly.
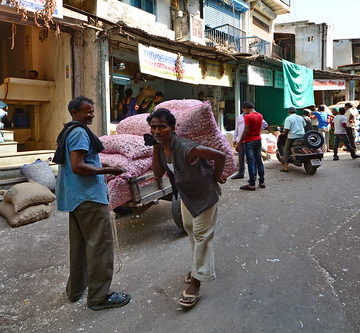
(239, 146)
(351, 114)
(340, 124)
(294, 128)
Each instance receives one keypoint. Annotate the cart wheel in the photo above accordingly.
(176, 212)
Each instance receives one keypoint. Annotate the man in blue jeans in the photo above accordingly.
(252, 143)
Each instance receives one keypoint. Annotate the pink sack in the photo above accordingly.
(119, 192)
(194, 121)
(134, 168)
(136, 125)
(132, 146)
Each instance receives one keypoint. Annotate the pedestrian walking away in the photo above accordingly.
(340, 122)
(351, 114)
(239, 146)
(81, 190)
(306, 116)
(323, 127)
(294, 128)
(188, 167)
(252, 143)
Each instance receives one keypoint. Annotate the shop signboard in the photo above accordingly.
(161, 63)
(35, 5)
(329, 85)
(279, 80)
(156, 62)
(216, 74)
(258, 76)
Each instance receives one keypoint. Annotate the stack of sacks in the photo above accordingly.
(128, 152)
(26, 203)
(194, 121)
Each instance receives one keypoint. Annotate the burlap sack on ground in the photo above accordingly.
(25, 195)
(26, 216)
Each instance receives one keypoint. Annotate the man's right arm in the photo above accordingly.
(157, 168)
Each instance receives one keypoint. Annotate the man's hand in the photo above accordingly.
(237, 146)
(221, 180)
(114, 170)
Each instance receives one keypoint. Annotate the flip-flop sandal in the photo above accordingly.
(114, 300)
(247, 188)
(187, 278)
(188, 301)
(284, 170)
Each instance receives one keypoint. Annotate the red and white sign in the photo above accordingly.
(329, 85)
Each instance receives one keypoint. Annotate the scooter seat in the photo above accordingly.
(298, 142)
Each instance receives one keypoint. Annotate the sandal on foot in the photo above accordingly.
(187, 278)
(114, 300)
(188, 301)
(247, 188)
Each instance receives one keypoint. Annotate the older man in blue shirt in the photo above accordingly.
(294, 128)
(81, 190)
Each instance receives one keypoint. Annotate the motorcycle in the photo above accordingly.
(306, 151)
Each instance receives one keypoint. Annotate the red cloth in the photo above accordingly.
(254, 121)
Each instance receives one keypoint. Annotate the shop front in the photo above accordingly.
(144, 77)
(35, 83)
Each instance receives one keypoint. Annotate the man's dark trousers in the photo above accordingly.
(91, 252)
(344, 139)
(254, 161)
(241, 154)
(351, 136)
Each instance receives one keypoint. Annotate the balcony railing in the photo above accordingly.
(231, 39)
(226, 37)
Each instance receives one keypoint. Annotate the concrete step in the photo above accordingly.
(18, 159)
(8, 147)
(7, 135)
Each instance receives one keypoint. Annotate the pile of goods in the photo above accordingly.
(26, 203)
(194, 120)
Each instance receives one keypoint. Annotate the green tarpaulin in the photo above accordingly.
(298, 85)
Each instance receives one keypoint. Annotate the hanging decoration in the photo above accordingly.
(179, 70)
(46, 15)
(221, 70)
(204, 68)
(20, 9)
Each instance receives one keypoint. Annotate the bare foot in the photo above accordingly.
(194, 287)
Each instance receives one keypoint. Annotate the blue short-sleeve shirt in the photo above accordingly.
(73, 189)
(322, 118)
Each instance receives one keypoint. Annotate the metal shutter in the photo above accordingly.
(218, 13)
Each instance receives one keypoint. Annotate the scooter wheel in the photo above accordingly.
(309, 168)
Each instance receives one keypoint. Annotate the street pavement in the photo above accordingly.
(287, 260)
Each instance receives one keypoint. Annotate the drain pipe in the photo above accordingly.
(323, 45)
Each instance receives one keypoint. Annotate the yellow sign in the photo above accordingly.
(165, 64)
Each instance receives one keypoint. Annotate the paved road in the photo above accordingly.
(287, 261)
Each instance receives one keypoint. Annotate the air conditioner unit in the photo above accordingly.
(190, 27)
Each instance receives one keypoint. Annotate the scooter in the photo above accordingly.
(306, 151)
